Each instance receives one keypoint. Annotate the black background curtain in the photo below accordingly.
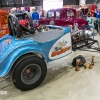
(70, 2)
(18, 3)
(76, 2)
(91, 1)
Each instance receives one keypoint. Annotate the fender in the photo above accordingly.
(13, 56)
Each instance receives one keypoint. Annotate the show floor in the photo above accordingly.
(62, 82)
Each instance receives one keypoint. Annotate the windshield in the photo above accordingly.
(50, 14)
(70, 13)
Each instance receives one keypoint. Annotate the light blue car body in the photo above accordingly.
(10, 52)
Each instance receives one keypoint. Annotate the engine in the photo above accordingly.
(78, 36)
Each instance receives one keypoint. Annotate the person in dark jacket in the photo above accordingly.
(96, 23)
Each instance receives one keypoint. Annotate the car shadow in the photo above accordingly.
(52, 75)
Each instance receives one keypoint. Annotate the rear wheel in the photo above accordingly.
(29, 73)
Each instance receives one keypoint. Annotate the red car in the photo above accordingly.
(63, 17)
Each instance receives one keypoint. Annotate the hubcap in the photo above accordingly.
(31, 74)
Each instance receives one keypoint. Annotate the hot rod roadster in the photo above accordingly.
(24, 53)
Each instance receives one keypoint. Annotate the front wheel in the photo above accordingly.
(29, 73)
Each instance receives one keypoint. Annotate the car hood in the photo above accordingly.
(79, 20)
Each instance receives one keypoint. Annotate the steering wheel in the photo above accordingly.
(14, 27)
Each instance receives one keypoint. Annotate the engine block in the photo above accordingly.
(79, 36)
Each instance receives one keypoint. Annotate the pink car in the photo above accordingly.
(63, 17)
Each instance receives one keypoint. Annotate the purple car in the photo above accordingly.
(63, 17)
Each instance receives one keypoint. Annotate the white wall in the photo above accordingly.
(98, 5)
(52, 4)
(82, 2)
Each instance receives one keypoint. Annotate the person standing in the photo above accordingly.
(98, 15)
(32, 11)
(96, 23)
(35, 17)
(98, 19)
(12, 11)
